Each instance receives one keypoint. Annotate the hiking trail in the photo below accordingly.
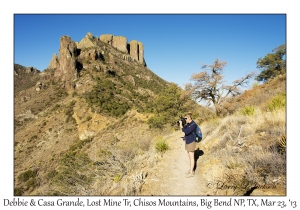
(168, 176)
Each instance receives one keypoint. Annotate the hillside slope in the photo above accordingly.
(81, 127)
(241, 154)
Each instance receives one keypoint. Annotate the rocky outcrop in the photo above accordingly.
(86, 41)
(91, 54)
(54, 62)
(30, 69)
(67, 62)
(137, 51)
(106, 38)
(38, 86)
(119, 42)
(71, 55)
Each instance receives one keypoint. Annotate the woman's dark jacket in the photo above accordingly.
(188, 129)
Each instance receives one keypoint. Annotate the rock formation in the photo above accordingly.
(86, 41)
(120, 42)
(71, 54)
(137, 51)
(67, 62)
(54, 62)
(31, 70)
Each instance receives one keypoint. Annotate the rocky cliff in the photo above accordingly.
(73, 56)
(135, 49)
(67, 62)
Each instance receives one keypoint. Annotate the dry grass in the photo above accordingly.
(252, 150)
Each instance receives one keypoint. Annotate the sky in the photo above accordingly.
(175, 45)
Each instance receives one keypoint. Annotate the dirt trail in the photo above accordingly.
(168, 176)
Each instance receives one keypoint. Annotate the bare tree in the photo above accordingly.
(209, 85)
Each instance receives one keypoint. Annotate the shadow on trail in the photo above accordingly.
(197, 154)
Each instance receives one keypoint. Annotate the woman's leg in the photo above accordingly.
(192, 161)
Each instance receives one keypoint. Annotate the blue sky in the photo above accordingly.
(175, 45)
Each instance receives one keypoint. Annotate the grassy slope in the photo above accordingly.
(246, 150)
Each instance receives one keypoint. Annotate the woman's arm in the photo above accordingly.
(189, 128)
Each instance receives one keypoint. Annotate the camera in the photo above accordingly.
(182, 120)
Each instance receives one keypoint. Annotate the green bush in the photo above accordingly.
(277, 102)
(161, 145)
(25, 176)
(156, 122)
(104, 96)
(117, 178)
(248, 111)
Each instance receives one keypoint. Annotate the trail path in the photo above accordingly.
(168, 176)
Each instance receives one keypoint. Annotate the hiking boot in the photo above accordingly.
(188, 172)
(189, 175)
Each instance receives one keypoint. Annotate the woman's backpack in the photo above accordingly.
(198, 134)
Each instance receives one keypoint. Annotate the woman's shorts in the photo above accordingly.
(190, 147)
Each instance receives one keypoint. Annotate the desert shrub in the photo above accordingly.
(134, 185)
(18, 191)
(78, 144)
(247, 110)
(277, 102)
(161, 145)
(73, 175)
(156, 122)
(232, 164)
(282, 144)
(25, 176)
(74, 159)
(279, 146)
(104, 96)
(56, 107)
(51, 174)
(117, 178)
(88, 118)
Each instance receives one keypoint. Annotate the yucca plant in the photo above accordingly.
(282, 145)
(277, 102)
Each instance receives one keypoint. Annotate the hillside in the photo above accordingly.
(243, 153)
(81, 126)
